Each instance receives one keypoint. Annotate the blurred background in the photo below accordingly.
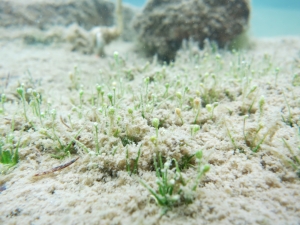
(269, 17)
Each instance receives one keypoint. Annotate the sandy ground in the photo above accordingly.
(241, 187)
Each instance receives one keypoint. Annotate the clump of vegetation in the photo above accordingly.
(173, 188)
(254, 139)
(9, 155)
(295, 159)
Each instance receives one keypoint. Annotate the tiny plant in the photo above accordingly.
(231, 137)
(3, 100)
(9, 152)
(155, 124)
(132, 168)
(211, 108)
(288, 120)
(252, 139)
(96, 138)
(178, 113)
(295, 162)
(261, 105)
(194, 129)
(21, 93)
(197, 107)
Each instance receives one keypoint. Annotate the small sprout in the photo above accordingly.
(173, 190)
(155, 124)
(178, 113)
(179, 96)
(81, 92)
(210, 108)
(206, 168)
(111, 114)
(129, 168)
(167, 85)
(3, 100)
(147, 80)
(99, 90)
(251, 90)
(194, 129)
(116, 57)
(96, 138)
(276, 74)
(111, 111)
(199, 154)
(197, 106)
(153, 139)
(197, 102)
(53, 114)
(20, 91)
(110, 97)
(261, 105)
(130, 111)
(3, 97)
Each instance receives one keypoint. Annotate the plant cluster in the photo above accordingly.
(124, 112)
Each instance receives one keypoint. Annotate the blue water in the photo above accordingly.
(269, 17)
(139, 3)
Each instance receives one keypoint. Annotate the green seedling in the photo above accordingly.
(132, 167)
(251, 95)
(165, 95)
(186, 162)
(261, 104)
(99, 91)
(178, 113)
(130, 112)
(179, 97)
(21, 93)
(276, 75)
(3, 100)
(64, 150)
(96, 138)
(197, 107)
(36, 101)
(288, 120)
(296, 80)
(110, 98)
(295, 162)
(209, 93)
(169, 182)
(70, 121)
(194, 129)
(81, 92)
(155, 124)
(147, 80)
(9, 157)
(173, 189)
(111, 115)
(231, 138)
(252, 139)
(75, 78)
(210, 109)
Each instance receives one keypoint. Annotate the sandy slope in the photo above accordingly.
(240, 188)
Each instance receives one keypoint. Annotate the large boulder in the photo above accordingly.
(163, 24)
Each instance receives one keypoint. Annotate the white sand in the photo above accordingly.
(240, 188)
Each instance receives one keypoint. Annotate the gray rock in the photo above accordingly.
(48, 13)
(164, 24)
